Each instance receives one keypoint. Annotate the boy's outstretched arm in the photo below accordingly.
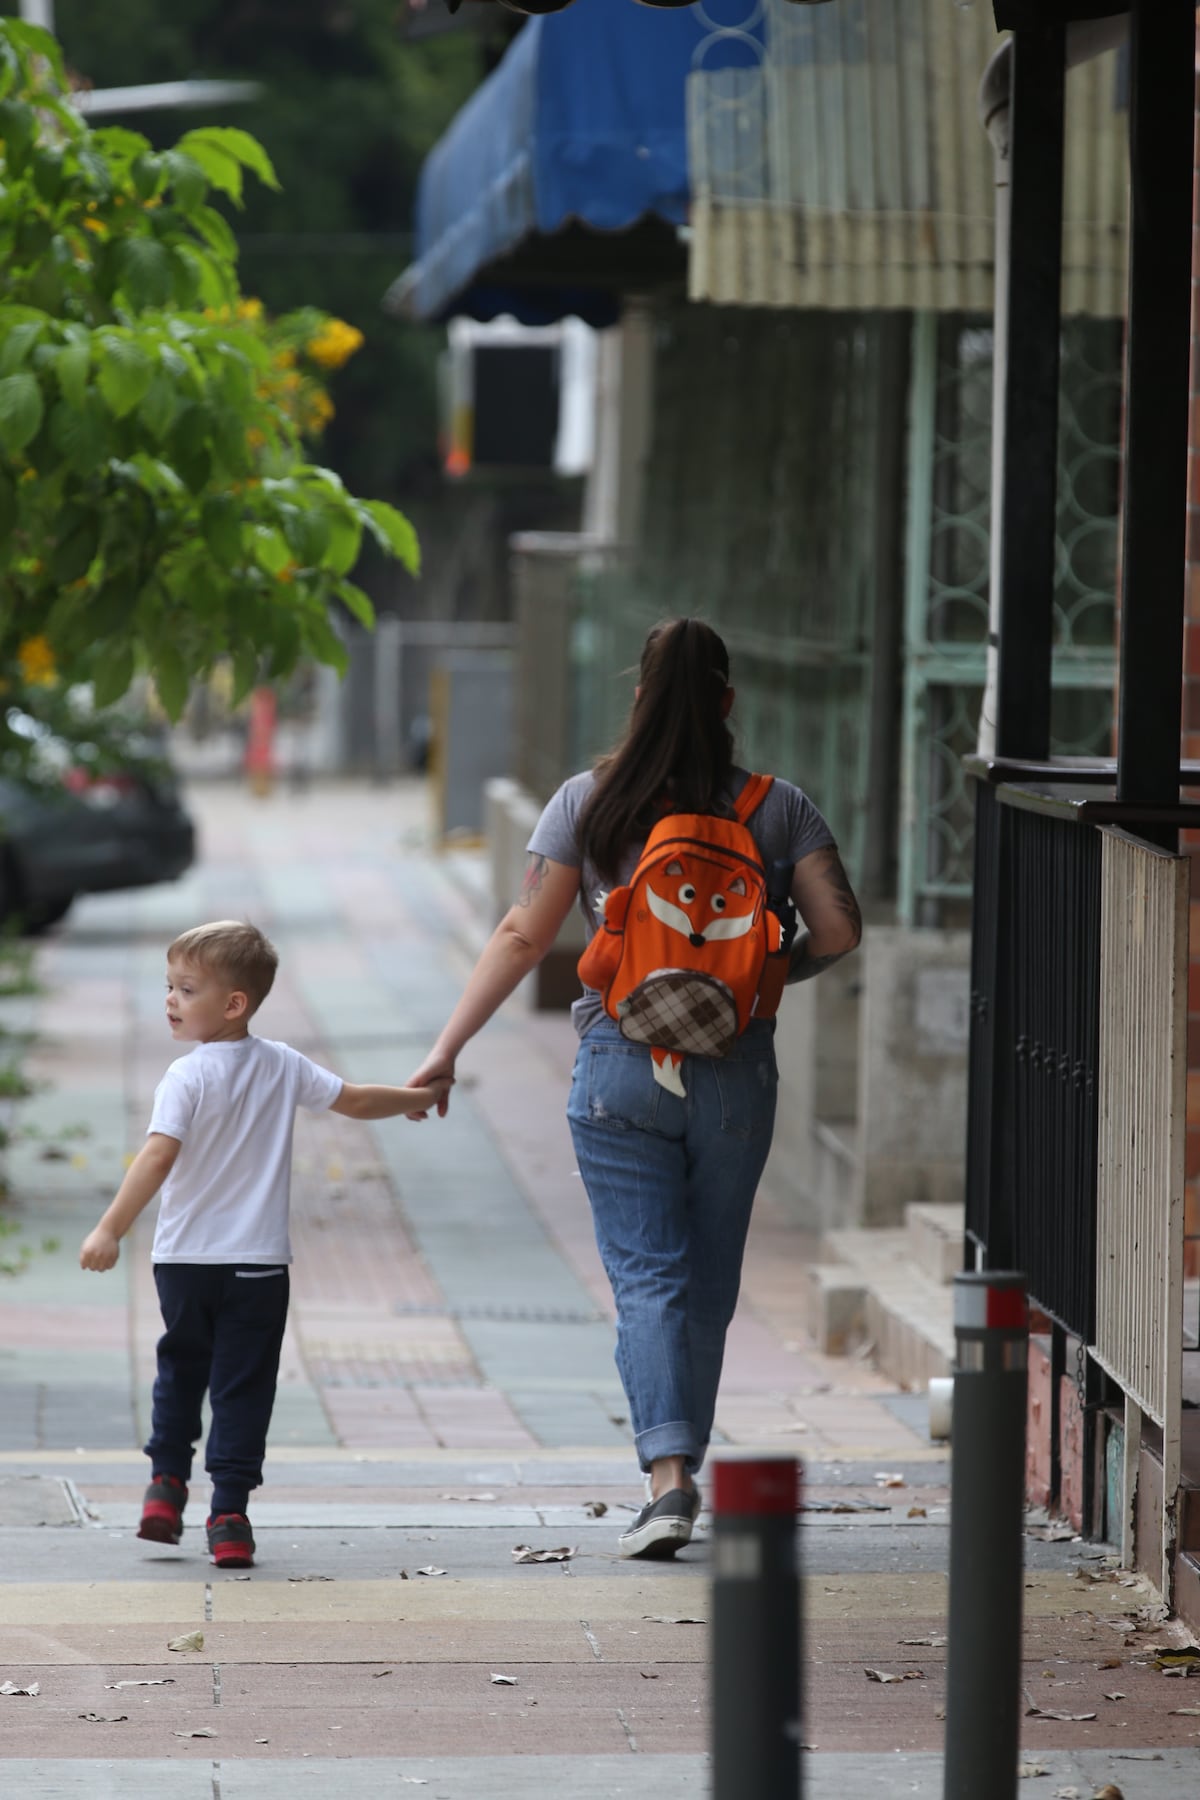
(376, 1102)
(143, 1178)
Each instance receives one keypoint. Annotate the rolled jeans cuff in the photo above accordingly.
(673, 1439)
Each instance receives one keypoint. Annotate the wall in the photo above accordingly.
(1191, 746)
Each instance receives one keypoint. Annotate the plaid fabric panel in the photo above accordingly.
(680, 1010)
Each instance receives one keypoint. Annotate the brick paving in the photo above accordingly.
(447, 1392)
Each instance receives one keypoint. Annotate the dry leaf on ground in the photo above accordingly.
(504, 1681)
(468, 1496)
(917, 1512)
(1184, 1712)
(884, 1479)
(524, 1553)
(11, 1687)
(152, 1681)
(430, 1570)
(596, 1509)
(204, 1731)
(884, 1675)
(1071, 1793)
(1030, 1771)
(671, 1619)
(1034, 1711)
(191, 1640)
(96, 1718)
(1051, 1534)
(1110, 1791)
(936, 1642)
(648, 1675)
(296, 1578)
(1114, 1696)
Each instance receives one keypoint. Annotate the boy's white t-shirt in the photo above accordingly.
(232, 1106)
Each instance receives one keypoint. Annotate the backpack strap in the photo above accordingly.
(751, 796)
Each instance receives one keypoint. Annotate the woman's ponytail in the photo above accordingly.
(677, 753)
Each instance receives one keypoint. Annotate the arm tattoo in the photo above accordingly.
(535, 874)
(802, 966)
(839, 883)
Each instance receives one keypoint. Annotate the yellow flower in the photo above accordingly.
(96, 225)
(335, 343)
(29, 474)
(287, 574)
(35, 659)
(285, 359)
(255, 438)
(249, 308)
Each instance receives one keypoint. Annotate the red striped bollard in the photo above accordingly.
(756, 1628)
(987, 1550)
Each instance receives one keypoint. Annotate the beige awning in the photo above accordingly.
(850, 169)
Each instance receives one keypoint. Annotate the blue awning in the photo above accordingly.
(580, 131)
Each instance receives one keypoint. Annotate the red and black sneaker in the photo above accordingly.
(162, 1510)
(230, 1541)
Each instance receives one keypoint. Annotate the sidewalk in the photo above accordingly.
(448, 1393)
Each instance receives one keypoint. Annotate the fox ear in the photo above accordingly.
(738, 885)
(673, 868)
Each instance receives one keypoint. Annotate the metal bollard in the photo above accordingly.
(987, 1497)
(756, 1628)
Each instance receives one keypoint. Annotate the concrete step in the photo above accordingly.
(867, 1289)
(1187, 1589)
(935, 1238)
(835, 1172)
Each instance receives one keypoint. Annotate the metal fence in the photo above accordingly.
(1031, 1175)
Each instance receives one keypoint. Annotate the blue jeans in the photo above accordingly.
(671, 1184)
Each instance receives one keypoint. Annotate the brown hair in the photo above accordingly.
(229, 947)
(677, 752)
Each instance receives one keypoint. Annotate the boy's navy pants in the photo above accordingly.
(224, 1330)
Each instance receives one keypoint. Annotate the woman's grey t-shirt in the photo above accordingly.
(785, 826)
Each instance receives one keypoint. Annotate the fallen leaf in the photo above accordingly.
(205, 1731)
(414, 1781)
(1186, 1659)
(670, 1619)
(883, 1479)
(468, 1496)
(797, 1425)
(1184, 1712)
(1034, 1711)
(1071, 1793)
(504, 1681)
(523, 1553)
(843, 1506)
(1111, 1662)
(96, 1718)
(154, 1681)
(1051, 1534)
(296, 1578)
(191, 1640)
(596, 1509)
(430, 1570)
(1029, 1771)
(917, 1512)
(54, 1153)
(11, 1687)
(647, 1675)
(262, 1740)
(927, 1643)
(1114, 1696)
(378, 1674)
(243, 1578)
(883, 1675)
(1110, 1791)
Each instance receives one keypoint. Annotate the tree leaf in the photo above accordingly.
(123, 374)
(18, 342)
(357, 602)
(392, 532)
(270, 549)
(72, 365)
(21, 410)
(232, 142)
(189, 183)
(220, 521)
(144, 272)
(8, 510)
(79, 433)
(222, 169)
(38, 42)
(216, 231)
(345, 542)
(18, 124)
(72, 556)
(171, 680)
(112, 673)
(159, 406)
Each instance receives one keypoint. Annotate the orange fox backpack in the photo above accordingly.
(694, 946)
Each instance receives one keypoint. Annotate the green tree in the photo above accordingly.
(348, 109)
(156, 507)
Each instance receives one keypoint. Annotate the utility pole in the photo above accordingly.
(151, 96)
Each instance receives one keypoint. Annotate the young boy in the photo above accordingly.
(219, 1145)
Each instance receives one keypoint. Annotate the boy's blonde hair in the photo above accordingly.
(229, 947)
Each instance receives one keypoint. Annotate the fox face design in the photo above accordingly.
(700, 902)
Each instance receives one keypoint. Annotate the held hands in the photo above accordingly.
(99, 1250)
(437, 1075)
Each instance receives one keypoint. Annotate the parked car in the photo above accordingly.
(70, 825)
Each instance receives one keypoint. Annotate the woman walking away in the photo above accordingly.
(672, 1102)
